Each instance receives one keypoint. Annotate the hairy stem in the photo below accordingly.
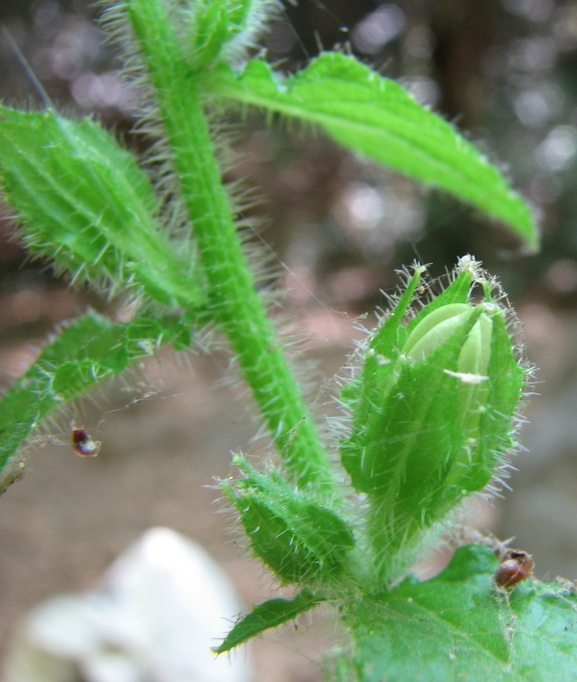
(236, 305)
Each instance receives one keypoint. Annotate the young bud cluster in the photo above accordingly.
(432, 417)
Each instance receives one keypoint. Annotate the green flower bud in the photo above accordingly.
(300, 540)
(433, 407)
(218, 30)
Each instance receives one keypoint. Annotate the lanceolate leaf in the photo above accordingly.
(87, 352)
(84, 202)
(458, 626)
(377, 118)
(268, 615)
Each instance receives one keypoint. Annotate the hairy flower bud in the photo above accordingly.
(433, 407)
(300, 540)
(223, 29)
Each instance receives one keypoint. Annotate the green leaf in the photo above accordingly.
(377, 118)
(458, 626)
(84, 202)
(268, 615)
(87, 352)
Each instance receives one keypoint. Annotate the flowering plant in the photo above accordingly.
(429, 400)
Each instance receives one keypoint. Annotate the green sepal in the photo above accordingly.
(83, 201)
(377, 374)
(83, 355)
(299, 539)
(268, 615)
(458, 626)
(504, 390)
(458, 291)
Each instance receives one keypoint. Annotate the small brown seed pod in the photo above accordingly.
(515, 567)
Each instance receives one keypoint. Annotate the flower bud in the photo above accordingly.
(300, 540)
(433, 407)
(223, 30)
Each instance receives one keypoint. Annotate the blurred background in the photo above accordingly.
(505, 73)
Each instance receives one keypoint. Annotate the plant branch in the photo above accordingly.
(236, 304)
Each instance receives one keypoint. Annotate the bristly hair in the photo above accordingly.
(157, 160)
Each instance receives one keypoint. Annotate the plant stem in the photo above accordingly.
(236, 305)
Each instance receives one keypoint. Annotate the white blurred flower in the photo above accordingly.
(162, 606)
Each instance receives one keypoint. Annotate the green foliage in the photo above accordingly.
(375, 117)
(86, 204)
(431, 397)
(268, 615)
(300, 540)
(84, 354)
(459, 626)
